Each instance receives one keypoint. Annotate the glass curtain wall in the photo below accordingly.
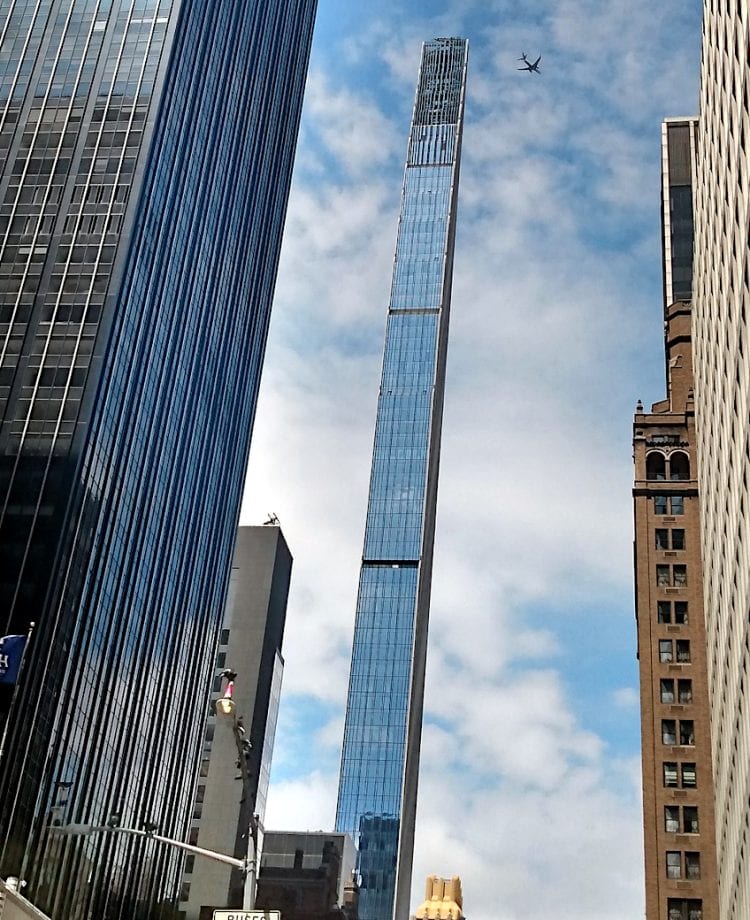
(147, 148)
(377, 791)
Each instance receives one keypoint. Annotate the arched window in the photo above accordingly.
(679, 466)
(656, 466)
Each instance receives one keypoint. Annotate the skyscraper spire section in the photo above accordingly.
(380, 759)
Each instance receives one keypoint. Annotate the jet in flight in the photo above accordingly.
(528, 66)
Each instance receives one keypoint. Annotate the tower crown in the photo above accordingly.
(443, 899)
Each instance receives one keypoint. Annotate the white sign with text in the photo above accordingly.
(239, 914)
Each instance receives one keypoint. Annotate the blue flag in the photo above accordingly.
(11, 653)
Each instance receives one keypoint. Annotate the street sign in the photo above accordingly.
(238, 914)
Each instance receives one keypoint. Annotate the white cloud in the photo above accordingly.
(301, 804)
(548, 829)
(626, 698)
(523, 855)
(351, 127)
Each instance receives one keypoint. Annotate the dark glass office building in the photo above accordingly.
(679, 143)
(380, 760)
(146, 152)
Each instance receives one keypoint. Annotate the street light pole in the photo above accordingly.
(226, 707)
(245, 865)
(84, 830)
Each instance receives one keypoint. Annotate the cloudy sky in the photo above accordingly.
(529, 783)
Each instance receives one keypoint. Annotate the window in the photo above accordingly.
(675, 865)
(690, 819)
(669, 539)
(665, 651)
(679, 467)
(656, 467)
(679, 574)
(669, 504)
(224, 639)
(692, 865)
(664, 612)
(683, 650)
(668, 731)
(666, 691)
(685, 691)
(687, 732)
(684, 909)
(204, 767)
(189, 864)
(688, 824)
(670, 775)
(688, 776)
(662, 576)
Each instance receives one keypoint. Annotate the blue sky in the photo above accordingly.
(529, 787)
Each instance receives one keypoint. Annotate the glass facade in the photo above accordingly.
(679, 145)
(380, 759)
(147, 148)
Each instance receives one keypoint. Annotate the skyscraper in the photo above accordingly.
(250, 642)
(380, 759)
(678, 807)
(147, 148)
(722, 409)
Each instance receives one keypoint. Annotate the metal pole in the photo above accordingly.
(242, 743)
(250, 870)
(83, 830)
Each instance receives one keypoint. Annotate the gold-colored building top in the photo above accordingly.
(443, 899)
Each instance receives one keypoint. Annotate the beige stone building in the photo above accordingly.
(722, 381)
(678, 796)
(443, 900)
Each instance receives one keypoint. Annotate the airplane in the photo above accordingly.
(531, 68)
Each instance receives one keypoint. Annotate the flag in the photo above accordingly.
(11, 654)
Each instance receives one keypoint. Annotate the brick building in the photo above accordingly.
(678, 789)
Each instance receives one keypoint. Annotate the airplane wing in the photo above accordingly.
(536, 62)
(523, 68)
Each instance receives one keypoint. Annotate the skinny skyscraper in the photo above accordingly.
(146, 149)
(380, 760)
